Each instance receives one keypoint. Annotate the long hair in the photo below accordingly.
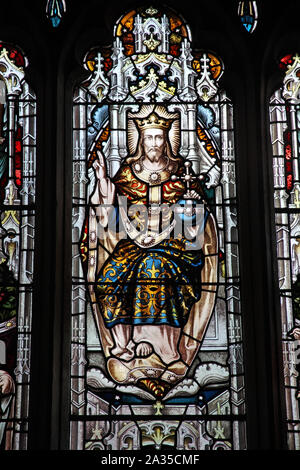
(140, 150)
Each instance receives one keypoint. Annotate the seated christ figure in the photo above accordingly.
(153, 295)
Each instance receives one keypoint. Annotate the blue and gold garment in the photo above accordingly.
(149, 286)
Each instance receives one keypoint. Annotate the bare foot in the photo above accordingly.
(123, 353)
(143, 349)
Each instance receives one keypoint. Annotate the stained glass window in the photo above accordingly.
(55, 10)
(285, 139)
(156, 319)
(247, 11)
(17, 225)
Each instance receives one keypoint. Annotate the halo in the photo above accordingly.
(145, 111)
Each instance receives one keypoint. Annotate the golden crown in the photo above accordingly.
(153, 121)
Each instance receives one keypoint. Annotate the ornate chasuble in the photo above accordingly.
(152, 285)
(134, 185)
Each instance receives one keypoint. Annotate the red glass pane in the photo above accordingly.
(289, 182)
(14, 54)
(285, 61)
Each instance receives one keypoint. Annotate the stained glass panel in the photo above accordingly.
(247, 11)
(55, 10)
(285, 139)
(17, 230)
(156, 315)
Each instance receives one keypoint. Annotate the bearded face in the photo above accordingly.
(154, 142)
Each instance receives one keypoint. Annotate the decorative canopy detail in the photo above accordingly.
(151, 60)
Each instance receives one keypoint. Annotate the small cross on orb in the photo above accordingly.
(187, 178)
(158, 407)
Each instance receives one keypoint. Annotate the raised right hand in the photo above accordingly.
(6, 383)
(101, 174)
(99, 166)
(296, 333)
(106, 189)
